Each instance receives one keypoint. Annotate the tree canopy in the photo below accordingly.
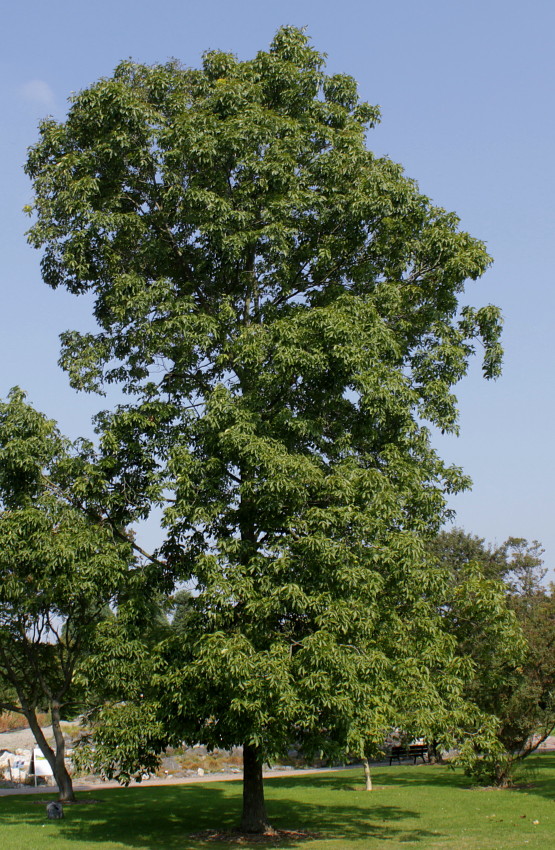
(283, 309)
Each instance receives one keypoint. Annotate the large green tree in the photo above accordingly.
(283, 309)
(59, 570)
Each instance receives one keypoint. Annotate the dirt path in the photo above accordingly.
(23, 739)
(171, 780)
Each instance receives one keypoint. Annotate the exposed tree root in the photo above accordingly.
(271, 837)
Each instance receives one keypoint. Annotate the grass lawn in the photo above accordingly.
(424, 806)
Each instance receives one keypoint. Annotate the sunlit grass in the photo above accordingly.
(423, 806)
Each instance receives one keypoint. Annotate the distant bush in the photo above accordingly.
(11, 721)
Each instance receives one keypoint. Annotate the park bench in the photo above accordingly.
(412, 751)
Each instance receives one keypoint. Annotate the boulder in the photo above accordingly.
(55, 811)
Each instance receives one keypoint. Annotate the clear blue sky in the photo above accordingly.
(466, 90)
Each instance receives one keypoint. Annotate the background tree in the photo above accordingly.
(58, 572)
(518, 690)
(283, 309)
(517, 563)
(181, 610)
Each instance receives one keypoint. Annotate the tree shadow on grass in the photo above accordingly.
(407, 775)
(164, 817)
(429, 775)
(373, 822)
(536, 776)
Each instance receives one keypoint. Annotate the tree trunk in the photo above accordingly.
(434, 753)
(367, 774)
(504, 773)
(254, 810)
(64, 780)
(55, 758)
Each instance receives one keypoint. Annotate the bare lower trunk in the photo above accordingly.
(504, 772)
(367, 775)
(504, 778)
(434, 753)
(254, 810)
(55, 758)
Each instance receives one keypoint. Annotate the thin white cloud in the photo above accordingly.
(39, 92)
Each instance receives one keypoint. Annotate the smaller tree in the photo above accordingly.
(524, 700)
(514, 678)
(182, 610)
(59, 569)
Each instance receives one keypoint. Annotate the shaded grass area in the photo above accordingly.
(420, 806)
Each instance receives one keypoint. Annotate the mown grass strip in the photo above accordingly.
(424, 806)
